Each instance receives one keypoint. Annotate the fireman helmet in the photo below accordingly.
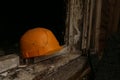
(38, 42)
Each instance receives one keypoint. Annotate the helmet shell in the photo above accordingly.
(38, 42)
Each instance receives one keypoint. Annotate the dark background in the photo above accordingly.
(18, 17)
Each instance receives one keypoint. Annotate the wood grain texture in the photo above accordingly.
(73, 23)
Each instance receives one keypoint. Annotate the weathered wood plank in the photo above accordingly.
(98, 24)
(8, 62)
(55, 68)
(73, 23)
(67, 71)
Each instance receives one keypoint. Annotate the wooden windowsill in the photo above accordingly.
(57, 68)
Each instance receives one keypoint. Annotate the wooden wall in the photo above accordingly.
(92, 21)
(109, 20)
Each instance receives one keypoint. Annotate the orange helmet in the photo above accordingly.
(38, 42)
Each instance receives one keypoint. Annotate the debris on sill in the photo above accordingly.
(29, 72)
(4, 74)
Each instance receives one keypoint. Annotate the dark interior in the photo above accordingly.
(17, 18)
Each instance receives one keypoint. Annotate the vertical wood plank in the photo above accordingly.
(73, 20)
(97, 24)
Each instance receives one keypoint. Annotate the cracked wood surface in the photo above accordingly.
(58, 68)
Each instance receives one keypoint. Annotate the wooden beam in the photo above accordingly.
(97, 24)
(114, 17)
(73, 20)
